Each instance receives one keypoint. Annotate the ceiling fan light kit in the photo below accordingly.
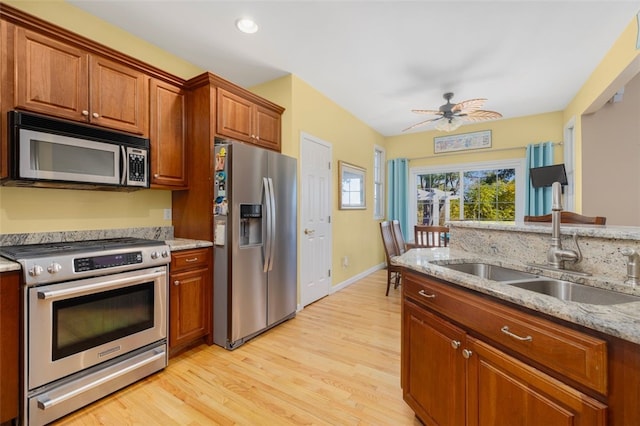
(451, 116)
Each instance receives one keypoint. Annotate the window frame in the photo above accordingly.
(518, 164)
(379, 181)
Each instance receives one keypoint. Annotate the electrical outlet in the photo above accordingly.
(345, 261)
(167, 214)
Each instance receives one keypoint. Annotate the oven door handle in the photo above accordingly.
(49, 403)
(102, 285)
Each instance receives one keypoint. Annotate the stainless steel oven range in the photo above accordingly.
(95, 320)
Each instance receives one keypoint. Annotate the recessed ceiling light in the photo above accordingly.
(247, 25)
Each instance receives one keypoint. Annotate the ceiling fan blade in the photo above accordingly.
(481, 115)
(427, 111)
(469, 105)
(422, 123)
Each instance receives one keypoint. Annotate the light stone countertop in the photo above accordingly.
(178, 244)
(622, 320)
(7, 265)
(593, 231)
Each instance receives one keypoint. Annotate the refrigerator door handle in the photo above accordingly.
(267, 247)
(272, 217)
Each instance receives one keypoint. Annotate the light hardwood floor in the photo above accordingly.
(336, 363)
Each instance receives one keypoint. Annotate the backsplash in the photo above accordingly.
(601, 246)
(152, 233)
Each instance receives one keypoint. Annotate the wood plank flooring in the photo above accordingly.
(336, 363)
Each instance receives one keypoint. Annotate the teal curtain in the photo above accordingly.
(538, 200)
(397, 202)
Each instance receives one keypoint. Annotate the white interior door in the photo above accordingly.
(315, 223)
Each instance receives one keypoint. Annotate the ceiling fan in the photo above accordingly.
(451, 116)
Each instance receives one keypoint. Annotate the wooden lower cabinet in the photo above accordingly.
(451, 376)
(502, 390)
(9, 344)
(190, 299)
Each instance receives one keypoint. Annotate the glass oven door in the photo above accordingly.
(78, 324)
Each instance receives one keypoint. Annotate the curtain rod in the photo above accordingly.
(478, 151)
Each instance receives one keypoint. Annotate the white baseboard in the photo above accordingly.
(355, 278)
(350, 281)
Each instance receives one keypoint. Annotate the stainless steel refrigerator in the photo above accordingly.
(255, 246)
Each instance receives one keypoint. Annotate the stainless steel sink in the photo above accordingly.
(492, 272)
(566, 290)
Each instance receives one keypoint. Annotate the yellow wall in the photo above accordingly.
(355, 233)
(617, 68)
(505, 134)
(41, 210)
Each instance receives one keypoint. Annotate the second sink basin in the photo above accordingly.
(491, 272)
(566, 290)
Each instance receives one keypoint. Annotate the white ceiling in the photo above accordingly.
(380, 59)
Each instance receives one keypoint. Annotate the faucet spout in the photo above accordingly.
(556, 255)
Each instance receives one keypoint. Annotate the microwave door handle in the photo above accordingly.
(124, 165)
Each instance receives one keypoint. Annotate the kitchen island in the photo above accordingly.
(480, 351)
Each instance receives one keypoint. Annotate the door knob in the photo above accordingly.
(309, 231)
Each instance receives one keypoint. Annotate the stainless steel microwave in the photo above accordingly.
(48, 152)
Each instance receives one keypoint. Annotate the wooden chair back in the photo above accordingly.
(388, 240)
(569, 217)
(431, 236)
(401, 246)
(390, 250)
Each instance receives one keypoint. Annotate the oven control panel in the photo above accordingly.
(93, 263)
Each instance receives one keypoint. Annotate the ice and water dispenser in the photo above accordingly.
(250, 224)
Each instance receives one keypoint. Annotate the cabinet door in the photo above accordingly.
(268, 125)
(433, 369)
(188, 312)
(9, 344)
(505, 391)
(119, 96)
(168, 135)
(51, 77)
(234, 117)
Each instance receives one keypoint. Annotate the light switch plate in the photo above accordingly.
(167, 214)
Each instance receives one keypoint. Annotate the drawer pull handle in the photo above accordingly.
(195, 259)
(506, 331)
(428, 296)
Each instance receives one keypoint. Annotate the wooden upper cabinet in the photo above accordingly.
(119, 96)
(268, 124)
(167, 133)
(59, 79)
(242, 119)
(235, 117)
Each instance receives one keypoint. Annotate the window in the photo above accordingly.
(378, 182)
(491, 191)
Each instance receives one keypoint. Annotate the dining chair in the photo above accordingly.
(398, 237)
(390, 251)
(431, 236)
(569, 217)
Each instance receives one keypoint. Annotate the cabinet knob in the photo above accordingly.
(176, 282)
(156, 175)
(85, 112)
(455, 344)
(95, 115)
(466, 353)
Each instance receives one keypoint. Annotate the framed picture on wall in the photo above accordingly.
(462, 142)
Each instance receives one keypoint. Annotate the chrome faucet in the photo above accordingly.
(556, 255)
(633, 266)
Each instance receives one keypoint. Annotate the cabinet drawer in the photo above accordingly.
(575, 355)
(189, 259)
